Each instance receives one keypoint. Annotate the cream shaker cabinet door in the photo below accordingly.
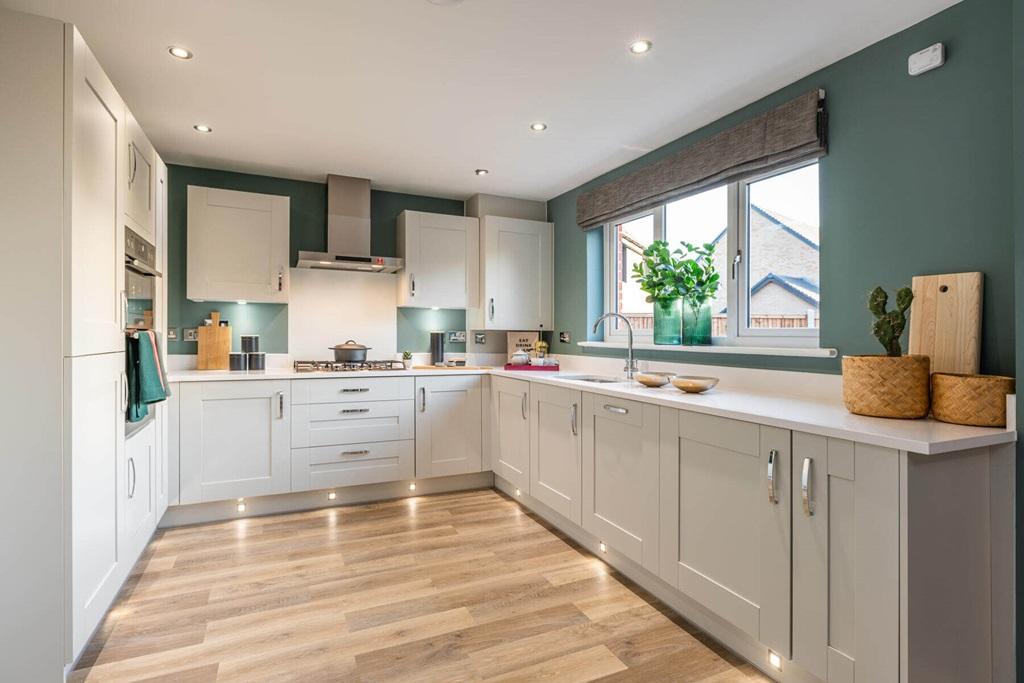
(237, 246)
(94, 259)
(140, 186)
(442, 257)
(846, 565)
(620, 476)
(730, 530)
(449, 434)
(97, 395)
(234, 439)
(556, 449)
(140, 493)
(518, 274)
(510, 450)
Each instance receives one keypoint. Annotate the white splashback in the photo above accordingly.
(328, 307)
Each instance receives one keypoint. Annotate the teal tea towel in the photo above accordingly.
(137, 410)
(152, 379)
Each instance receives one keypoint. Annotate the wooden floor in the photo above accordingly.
(456, 587)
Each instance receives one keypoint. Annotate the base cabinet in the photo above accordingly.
(140, 490)
(449, 434)
(510, 430)
(728, 528)
(326, 467)
(620, 476)
(846, 564)
(556, 449)
(234, 439)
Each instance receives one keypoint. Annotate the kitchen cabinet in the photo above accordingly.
(442, 260)
(96, 302)
(237, 246)
(140, 184)
(325, 467)
(234, 439)
(620, 476)
(510, 430)
(556, 449)
(726, 520)
(517, 275)
(846, 564)
(449, 438)
(97, 391)
(140, 490)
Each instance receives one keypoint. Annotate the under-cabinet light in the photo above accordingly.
(241, 505)
(241, 302)
(603, 547)
(412, 486)
(775, 660)
(332, 495)
(518, 492)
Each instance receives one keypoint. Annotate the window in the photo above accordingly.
(766, 236)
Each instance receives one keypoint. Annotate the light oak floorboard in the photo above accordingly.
(460, 587)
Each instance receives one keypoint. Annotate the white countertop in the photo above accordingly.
(821, 416)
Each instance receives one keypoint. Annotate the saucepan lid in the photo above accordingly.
(350, 345)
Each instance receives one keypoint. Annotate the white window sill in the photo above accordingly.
(806, 352)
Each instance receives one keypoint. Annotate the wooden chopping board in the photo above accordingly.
(945, 321)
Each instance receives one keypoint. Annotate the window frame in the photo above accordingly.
(738, 330)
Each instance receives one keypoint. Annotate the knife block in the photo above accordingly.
(214, 345)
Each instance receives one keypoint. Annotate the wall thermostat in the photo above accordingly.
(927, 59)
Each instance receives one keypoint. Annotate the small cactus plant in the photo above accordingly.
(406, 355)
(889, 325)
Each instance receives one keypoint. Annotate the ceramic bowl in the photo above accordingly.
(654, 379)
(694, 385)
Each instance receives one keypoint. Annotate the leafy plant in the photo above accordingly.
(669, 274)
(700, 279)
(889, 325)
(406, 355)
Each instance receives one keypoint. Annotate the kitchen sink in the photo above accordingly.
(592, 378)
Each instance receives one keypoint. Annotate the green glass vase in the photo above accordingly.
(668, 322)
(697, 324)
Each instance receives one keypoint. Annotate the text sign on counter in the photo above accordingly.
(521, 341)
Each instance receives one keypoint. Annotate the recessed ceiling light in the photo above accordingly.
(481, 171)
(641, 46)
(538, 126)
(203, 128)
(180, 52)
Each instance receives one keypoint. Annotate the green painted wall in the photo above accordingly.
(1017, 28)
(308, 203)
(917, 180)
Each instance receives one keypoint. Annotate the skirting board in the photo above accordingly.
(722, 631)
(199, 513)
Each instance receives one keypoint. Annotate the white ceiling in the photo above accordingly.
(416, 96)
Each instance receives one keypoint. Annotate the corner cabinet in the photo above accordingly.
(442, 260)
(237, 246)
(235, 439)
(516, 275)
(510, 430)
(449, 432)
(556, 449)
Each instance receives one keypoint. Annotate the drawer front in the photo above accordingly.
(618, 410)
(330, 424)
(355, 389)
(720, 432)
(369, 463)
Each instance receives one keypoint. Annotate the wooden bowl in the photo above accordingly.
(654, 379)
(692, 384)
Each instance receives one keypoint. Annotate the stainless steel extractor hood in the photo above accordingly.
(348, 231)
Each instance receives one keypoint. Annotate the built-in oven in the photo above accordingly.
(140, 288)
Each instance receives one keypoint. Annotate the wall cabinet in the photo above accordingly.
(97, 394)
(96, 302)
(140, 184)
(234, 439)
(620, 476)
(237, 246)
(449, 434)
(510, 430)
(442, 260)
(517, 275)
(140, 489)
(846, 564)
(727, 521)
(556, 449)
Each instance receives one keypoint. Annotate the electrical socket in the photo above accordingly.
(480, 337)
(565, 337)
(172, 334)
(458, 337)
(191, 334)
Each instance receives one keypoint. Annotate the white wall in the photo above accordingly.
(32, 596)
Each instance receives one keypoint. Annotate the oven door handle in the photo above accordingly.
(137, 266)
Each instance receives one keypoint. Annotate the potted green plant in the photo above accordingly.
(660, 273)
(699, 286)
(890, 385)
(407, 359)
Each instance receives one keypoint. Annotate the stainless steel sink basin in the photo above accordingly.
(592, 378)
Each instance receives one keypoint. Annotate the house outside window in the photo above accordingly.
(766, 233)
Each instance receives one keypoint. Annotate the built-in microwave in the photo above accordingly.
(140, 286)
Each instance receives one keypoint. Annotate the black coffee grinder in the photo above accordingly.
(437, 348)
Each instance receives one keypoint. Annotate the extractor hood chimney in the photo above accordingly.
(348, 231)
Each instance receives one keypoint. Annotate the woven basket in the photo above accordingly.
(978, 400)
(886, 386)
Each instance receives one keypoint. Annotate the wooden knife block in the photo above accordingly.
(214, 345)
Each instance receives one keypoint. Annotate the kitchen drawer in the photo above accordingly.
(629, 413)
(364, 463)
(355, 389)
(330, 424)
(721, 432)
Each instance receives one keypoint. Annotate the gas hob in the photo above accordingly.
(333, 366)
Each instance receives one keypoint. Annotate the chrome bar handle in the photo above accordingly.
(412, 285)
(522, 406)
(805, 488)
(423, 399)
(356, 390)
(349, 411)
(773, 455)
(492, 308)
(616, 409)
(124, 392)
(280, 405)
(280, 280)
(124, 310)
(134, 477)
(364, 451)
(572, 420)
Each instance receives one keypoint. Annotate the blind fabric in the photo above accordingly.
(788, 134)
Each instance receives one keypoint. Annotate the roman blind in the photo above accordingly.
(788, 134)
